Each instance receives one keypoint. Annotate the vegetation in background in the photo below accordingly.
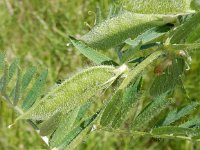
(37, 32)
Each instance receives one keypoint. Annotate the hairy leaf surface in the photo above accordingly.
(194, 35)
(91, 54)
(49, 126)
(13, 68)
(27, 77)
(194, 123)
(36, 90)
(150, 35)
(112, 108)
(77, 134)
(130, 97)
(169, 78)
(4, 79)
(17, 88)
(65, 126)
(185, 29)
(177, 114)
(152, 110)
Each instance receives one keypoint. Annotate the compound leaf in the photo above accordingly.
(49, 126)
(194, 35)
(150, 35)
(4, 79)
(82, 111)
(177, 114)
(169, 79)
(194, 123)
(76, 135)
(90, 53)
(182, 32)
(36, 90)
(13, 68)
(112, 108)
(17, 89)
(175, 131)
(27, 77)
(152, 110)
(130, 97)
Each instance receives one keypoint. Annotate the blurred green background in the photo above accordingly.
(37, 31)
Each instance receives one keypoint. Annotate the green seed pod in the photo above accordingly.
(114, 31)
(156, 6)
(73, 92)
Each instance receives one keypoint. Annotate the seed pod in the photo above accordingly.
(157, 6)
(72, 92)
(114, 31)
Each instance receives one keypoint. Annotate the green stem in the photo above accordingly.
(139, 68)
(146, 134)
(175, 47)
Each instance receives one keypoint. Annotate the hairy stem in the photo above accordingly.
(139, 68)
(146, 134)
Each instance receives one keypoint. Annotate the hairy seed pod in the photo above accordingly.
(157, 6)
(117, 29)
(72, 92)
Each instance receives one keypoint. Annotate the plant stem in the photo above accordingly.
(175, 47)
(146, 134)
(139, 68)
